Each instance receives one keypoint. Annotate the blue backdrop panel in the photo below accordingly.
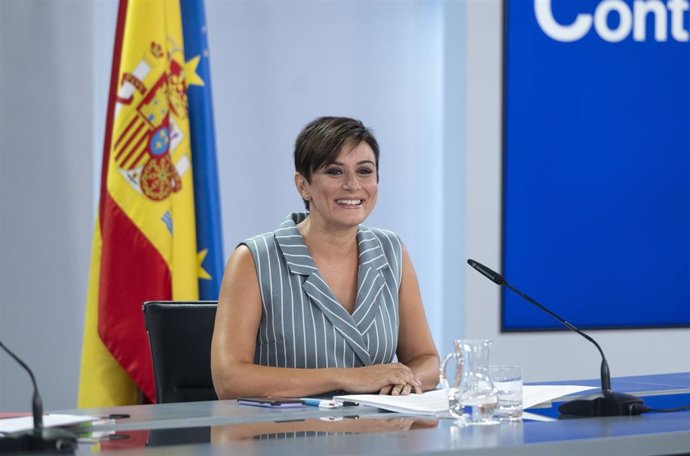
(596, 221)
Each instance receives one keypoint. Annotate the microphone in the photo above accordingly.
(610, 403)
(39, 438)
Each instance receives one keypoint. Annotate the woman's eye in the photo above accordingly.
(334, 171)
(365, 171)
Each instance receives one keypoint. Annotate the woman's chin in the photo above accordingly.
(350, 217)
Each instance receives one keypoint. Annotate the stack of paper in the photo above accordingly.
(436, 402)
(24, 423)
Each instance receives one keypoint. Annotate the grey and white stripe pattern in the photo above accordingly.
(303, 325)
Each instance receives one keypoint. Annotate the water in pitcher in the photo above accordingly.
(472, 396)
(480, 409)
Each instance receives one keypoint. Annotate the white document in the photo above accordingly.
(429, 403)
(436, 402)
(538, 394)
(24, 423)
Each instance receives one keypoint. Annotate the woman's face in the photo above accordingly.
(343, 193)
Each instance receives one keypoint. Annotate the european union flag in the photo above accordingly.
(203, 141)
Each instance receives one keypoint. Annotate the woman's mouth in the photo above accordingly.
(348, 202)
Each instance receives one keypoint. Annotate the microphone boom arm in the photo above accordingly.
(36, 403)
(38, 439)
(610, 404)
(605, 373)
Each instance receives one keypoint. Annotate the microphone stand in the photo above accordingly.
(38, 438)
(609, 403)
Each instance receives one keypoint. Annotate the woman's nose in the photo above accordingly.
(351, 182)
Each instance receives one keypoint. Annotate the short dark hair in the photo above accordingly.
(321, 140)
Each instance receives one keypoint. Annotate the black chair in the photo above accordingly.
(180, 339)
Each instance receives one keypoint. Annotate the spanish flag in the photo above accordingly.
(144, 244)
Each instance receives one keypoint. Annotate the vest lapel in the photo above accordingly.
(370, 282)
(317, 289)
(300, 262)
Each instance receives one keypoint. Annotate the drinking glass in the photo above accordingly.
(508, 383)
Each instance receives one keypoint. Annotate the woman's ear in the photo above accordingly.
(302, 186)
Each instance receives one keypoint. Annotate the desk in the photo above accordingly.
(223, 427)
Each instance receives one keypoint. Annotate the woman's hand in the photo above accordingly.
(401, 390)
(395, 378)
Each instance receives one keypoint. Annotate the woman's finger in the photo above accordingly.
(396, 390)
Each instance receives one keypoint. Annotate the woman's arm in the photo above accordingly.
(416, 347)
(234, 342)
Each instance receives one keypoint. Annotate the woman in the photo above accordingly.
(324, 303)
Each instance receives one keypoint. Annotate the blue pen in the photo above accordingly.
(321, 403)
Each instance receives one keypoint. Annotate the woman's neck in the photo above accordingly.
(326, 240)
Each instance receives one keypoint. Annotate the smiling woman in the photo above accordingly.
(324, 303)
(342, 191)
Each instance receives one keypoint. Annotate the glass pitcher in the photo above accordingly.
(472, 396)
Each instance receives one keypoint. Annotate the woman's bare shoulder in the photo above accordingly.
(241, 261)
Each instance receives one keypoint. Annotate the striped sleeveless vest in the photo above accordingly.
(302, 323)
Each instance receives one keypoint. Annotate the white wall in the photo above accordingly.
(46, 220)
(544, 356)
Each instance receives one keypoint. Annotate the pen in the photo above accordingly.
(103, 420)
(321, 403)
(114, 416)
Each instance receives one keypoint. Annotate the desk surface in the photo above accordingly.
(219, 427)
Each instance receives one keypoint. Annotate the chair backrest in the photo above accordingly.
(180, 335)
